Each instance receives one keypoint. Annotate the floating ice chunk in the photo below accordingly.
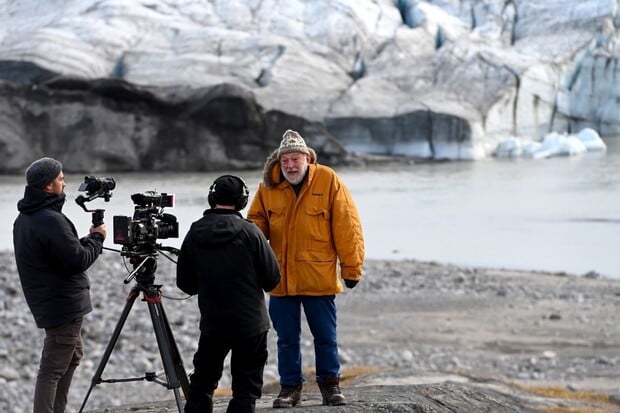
(591, 139)
(547, 148)
(508, 148)
(553, 144)
(552, 141)
(531, 148)
(571, 145)
(556, 144)
(514, 147)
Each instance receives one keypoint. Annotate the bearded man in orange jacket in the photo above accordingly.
(309, 217)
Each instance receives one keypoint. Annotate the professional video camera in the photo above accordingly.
(149, 223)
(95, 188)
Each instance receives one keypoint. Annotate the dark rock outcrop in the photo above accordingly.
(111, 125)
(420, 133)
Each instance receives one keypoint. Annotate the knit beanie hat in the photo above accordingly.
(292, 142)
(42, 172)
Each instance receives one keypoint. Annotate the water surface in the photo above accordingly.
(559, 214)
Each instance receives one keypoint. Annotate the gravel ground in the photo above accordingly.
(406, 323)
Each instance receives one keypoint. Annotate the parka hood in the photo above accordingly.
(226, 226)
(36, 199)
(272, 175)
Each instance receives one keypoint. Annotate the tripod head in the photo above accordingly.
(143, 258)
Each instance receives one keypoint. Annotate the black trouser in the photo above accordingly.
(62, 352)
(247, 363)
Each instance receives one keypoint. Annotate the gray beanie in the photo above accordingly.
(42, 172)
(292, 142)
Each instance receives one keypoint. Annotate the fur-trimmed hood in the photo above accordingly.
(272, 175)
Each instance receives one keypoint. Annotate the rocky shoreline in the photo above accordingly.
(408, 324)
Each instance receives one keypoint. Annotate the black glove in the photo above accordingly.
(350, 283)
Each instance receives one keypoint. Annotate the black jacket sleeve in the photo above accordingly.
(187, 279)
(266, 263)
(72, 254)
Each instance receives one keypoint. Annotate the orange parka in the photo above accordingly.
(311, 234)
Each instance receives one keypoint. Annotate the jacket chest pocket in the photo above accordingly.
(276, 229)
(317, 224)
(276, 218)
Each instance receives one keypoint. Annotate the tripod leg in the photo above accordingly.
(173, 364)
(131, 298)
(175, 353)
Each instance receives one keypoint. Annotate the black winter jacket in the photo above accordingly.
(51, 259)
(228, 262)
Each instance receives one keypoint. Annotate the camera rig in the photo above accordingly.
(138, 236)
(95, 188)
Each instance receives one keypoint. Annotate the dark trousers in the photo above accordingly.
(321, 316)
(247, 362)
(62, 352)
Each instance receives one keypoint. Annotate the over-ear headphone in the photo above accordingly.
(239, 199)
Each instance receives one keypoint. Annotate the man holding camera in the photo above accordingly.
(51, 262)
(227, 261)
(311, 221)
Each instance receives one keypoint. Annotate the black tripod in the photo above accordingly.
(144, 272)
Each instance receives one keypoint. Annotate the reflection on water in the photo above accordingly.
(559, 214)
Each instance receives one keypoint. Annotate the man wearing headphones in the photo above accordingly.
(228, 262)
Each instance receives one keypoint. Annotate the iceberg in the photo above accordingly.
(591, 139)
(553, 144)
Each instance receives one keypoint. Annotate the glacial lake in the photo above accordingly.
(557, 214)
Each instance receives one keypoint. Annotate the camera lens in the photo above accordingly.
(107, 183)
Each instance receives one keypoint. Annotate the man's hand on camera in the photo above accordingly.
(350, 283)
(100, 229)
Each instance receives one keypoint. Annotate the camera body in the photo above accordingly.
(149, 223)
(98, 187)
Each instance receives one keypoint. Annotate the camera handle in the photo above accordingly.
(97, 217)
(97, 213)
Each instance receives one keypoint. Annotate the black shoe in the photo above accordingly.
(330, 390)
(202, 403)
(289, 396)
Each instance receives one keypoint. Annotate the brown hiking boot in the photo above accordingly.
(330, 390)
(289, 396)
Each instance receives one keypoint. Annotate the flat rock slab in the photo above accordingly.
(444, 397)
